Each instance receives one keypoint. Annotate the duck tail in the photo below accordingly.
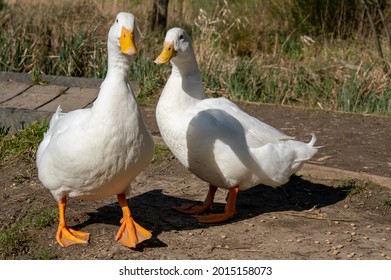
(56, 116)
(312, 142)
(306, 151)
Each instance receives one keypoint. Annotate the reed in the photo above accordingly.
(248, 51)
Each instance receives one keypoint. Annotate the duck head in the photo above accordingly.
(176, 42)
(124, 34)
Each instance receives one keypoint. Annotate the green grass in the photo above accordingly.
(351, 186)
(16, 237)
(239, 56)
(161, 153)
(22, 144)
(44, 254)
(387, 203)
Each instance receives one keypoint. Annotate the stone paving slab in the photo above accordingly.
(10, 89)
(22, 102)
(12, 119)
(72, 99)
(35, 97)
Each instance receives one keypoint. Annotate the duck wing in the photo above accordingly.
(224, 118)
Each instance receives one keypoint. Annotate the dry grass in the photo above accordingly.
(245, 51)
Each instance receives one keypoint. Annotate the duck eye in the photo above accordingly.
(116, 20)
(181, 37)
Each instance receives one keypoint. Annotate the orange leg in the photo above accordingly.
(130, 233)
(229, 212)
(66, 236)
(199, 209)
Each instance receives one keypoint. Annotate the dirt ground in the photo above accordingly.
(311, 217)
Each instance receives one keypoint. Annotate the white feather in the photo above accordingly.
(214, 138)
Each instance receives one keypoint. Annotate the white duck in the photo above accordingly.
(215, 139)
(94, 153)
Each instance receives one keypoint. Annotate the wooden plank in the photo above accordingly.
(10, 89)
(35, 97)
(72, 99)
(12, 119)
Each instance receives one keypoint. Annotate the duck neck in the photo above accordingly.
(185, 67)
(118, 63)
(114, 92)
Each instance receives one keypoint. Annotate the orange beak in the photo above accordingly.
(167, 53)
(126, 42)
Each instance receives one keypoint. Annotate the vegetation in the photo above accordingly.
(161, 153)
(352, 187)
(16, 237)
(318, 54)
(22, 144)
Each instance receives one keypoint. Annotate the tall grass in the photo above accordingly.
(246, 51)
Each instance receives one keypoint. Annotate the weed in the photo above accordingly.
(21, 144)
(256, 50)
(43, 218)
(351, 187)
(387, 203)
(44, 254)
(160, 154)
(15, 238)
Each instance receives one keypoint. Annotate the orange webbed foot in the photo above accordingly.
(66, 236)
(229, 212)
(131, 233)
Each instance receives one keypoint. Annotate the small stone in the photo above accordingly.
(328, 241)
(346, 231)
(329, 232)
(383, 255)
(365, 237)
(290, 240)
(369, 226)
(384, 239)
(250, 225)
(223, 236)
(346, 206)
(354, 228)
(316, 242)
(387, 228)
(335, 252)
(226, 246)
(262, 221)
(299, 240)
(274, 217)
(336, 222)
(353, 225)
(340, 246)
(191, 234)
(352, 233)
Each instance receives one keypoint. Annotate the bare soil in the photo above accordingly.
(311, 217)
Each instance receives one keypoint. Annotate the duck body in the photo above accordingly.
(223, 145)
(213, 137)
(96, 152)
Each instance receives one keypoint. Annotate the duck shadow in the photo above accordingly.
(153, 209)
